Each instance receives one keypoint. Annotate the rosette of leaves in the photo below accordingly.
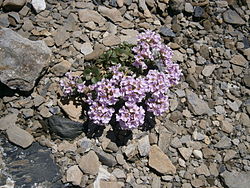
(99, 69)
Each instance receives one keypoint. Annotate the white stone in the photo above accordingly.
(86, 48)
(198, 154)
(38, 5)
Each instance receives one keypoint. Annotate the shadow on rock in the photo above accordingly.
(30, 166)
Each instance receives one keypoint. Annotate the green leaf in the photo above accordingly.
(94, 80)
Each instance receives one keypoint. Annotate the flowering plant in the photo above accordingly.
(127, 82)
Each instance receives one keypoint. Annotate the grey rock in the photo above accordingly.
(63, 127)
(208, 70)
(233, 105)
(4, 20)
(192, 81)
(38, 5)
(86, 48)
(239, 60)
(15, 15)
(167, 32)
(189, 8)
(105, 158)
(164, 140)
(198, 154)
(202, 170)
(144, 146)
(27, 113)
(236, 179)
(22, 165)
(22, 61)
(177, 5)
(19, 136)
(61, 68)
(86, 15)
(111, 13)
(224, 143)
(74, 175)
(160, 161)
(176, 143)
(38, 100)
(197, 105)
(156, 183)
(89, 163)
(119, 173)
(14, 5)
(198, 12)
(231, 17)
(130, 150)
(7, 121)
(111, 40)
(246, 80)
(61, 36)
(185, 152)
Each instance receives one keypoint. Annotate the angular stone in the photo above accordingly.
(19, 136)
(74, 175)
(38, 5)
(231, 17)
(63, 127)
(167, 32)
(198, 154)
(119, 173)
(90, 163)
(197, 105)
(105, 158)
(4, 20)
(61, 68)
(29, 166)
(144, 146)
(14, 5)
(130, 36)
(86, 48)
(111, 13)
(111, 40)
(189, 8)
(224, 143)
(236, 179)
(7, 121)
(226, 126)
(61, 36)
(86, 15)
(230, 154)
(185, 152)
(239, 60)
(164, 140)
(177, 56)
(21, 73)
(233, 105)
(160, 161)
(213, 169)
(202, 170)
(208, 70)
(73, 111)
(246, 80)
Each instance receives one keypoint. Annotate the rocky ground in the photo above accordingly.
(203, 141)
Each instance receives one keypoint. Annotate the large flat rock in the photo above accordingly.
(22, 61)
(29, 167)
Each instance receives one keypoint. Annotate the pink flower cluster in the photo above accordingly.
(150, 49)
(126, 96)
